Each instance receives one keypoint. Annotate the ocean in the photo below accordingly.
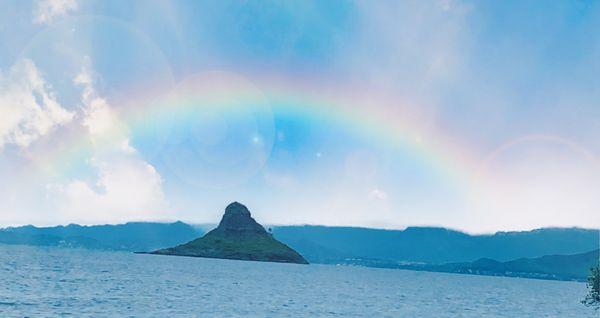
(55, 282)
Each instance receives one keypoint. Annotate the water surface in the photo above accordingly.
(70, 282)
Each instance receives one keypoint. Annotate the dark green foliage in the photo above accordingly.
(593, 296)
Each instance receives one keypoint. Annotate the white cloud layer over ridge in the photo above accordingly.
(28, 106)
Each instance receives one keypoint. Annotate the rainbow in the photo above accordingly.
(362, 112)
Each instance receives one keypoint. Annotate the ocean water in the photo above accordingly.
(49, 282)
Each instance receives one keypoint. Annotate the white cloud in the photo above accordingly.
(101, 120)
(126, 187)
(560, 189)
(28, 106)
(378, 194)
(47, 11)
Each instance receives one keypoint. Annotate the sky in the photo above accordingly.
(481, 116)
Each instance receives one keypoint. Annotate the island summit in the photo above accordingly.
(237, 237)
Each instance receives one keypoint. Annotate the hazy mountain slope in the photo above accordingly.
(134, 236)
(431, 245)
(322, 244)
(575, 266)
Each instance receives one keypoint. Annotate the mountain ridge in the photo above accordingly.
(434, 245)
(129, 236)
(564, 267)
(331, 245)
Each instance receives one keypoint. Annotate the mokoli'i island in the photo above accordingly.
(313, 158)
(240, 237)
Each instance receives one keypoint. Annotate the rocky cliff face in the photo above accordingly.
(238, 236)
(238, 221)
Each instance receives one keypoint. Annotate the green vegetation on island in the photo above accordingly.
(239, 237)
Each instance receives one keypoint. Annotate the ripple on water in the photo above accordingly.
(51, 282)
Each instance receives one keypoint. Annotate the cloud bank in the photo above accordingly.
(126, 186)
(29, 109)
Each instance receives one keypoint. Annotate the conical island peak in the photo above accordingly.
(236, 207)
(239, 237)
(237, 220)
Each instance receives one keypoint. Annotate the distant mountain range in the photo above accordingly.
(564, 267)
(552, 253)
(432, 245)
(549, 253)
(133, 236)
(555, 267)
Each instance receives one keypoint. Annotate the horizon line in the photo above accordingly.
(267, 225)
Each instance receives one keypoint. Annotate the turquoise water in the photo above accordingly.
(49, 282)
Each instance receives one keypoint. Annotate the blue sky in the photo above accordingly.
(480, 116)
